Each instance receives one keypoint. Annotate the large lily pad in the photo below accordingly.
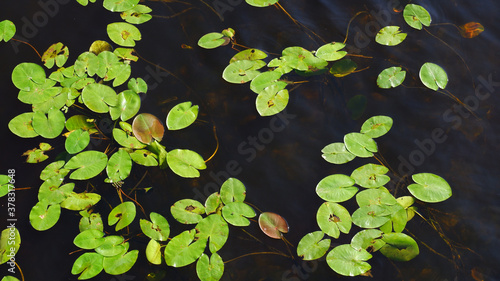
(336, 188)
(271, 100)
(433, 76)
(157, 229)
(232, 190)
(360, 145)
(210, 269)
(312, 246)
(242, 71)
(43, 216)
(98, 97)
(26, 75)
(333, 218)
(119, 166)
(185, 163)
(10, 241)
(88, 164)
(416, 16)
(137, 15)
(187, 211)
(123, 34)
(127, 105)
(22, 125)
(377, 126)
(184, 249)
(49, 126)
(77, 141)
(331, 51)
(7, 30)
(88, 264)
(214, 229)
(391, 77)
(249, 54)
(399, 247)
(147, 127)
(371, 175)
(337, 153)
(236, 213)
(273, 225)
(430, 188)
(153, 252)
(390, 36)
(89, 239)
(122, 215)
(368, 239)
(371, 216)
(375, 196)
(120, 264)
(80, 201)
(182, 115)
(347, 261)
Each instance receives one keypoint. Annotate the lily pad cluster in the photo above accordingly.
(380, 215)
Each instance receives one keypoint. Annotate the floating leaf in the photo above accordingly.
(100, 46)
(156, 229)
(375, 196)
(371, 216)
(56, 54)
(471, 29)
(112, 246)
(347, 261)
(236, 213)
(390, 36)
(376, 126)
(137, 15)
(122, 215)
(127, 106)
(343, 67)
(147, 127)
(210, 269)
(119, 166)
(123, 34)
(213, 40)
(54, 169)
(127, 141)
(242, 71)
(232, 190)
(10, 242)
(26, 75)
(43, 216)
(51, 193)
(214, 229)
(5, 186)
(49, 126)
(416, 16)
(368, 239)
(312, 247)
(429, 188)
(337, 153)
(119, 5)
(98, 97)
(125, 54)
(39, 93)
(80, 201)
(144, 157)
(76, 122)
(280, 65)
(267, 79)
(120, 264)
(261, 3)
(184, 249)
(271, 100)
(90, 221)
(213, 204)
(433, 76)
(153, 252)
(37, 155)
(181, 116)
(88, 164)
(360, 145)
(185, 163)
(399, 247)
(77, 141)
(22, 125)
(88, 264)
(187, 211)
(7, 30)
(249, 54)
(273, 225)
(331, 51)
(371, 176)
(391, 77)
(333, 218)
(336, 188)
(89, 239)
(137, 85)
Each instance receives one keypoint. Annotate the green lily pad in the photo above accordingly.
(7, 30)
(331, 51)
(273, 225)
(390, 36)
(187, 211)
(119, 166)
(137, 85)
(236, 213)
(249, 54)
(57, 101)
(98, 97)
(416, 16)
(26, 75)
(371, 175)
(144, 157)
(51, 193)
(232, 190)
(375, 196)
(185, 163)
(399, 218)
(360, 145)
(343, 67)
(210, 269)
(371, 216)
(182, 115)
(333, 218)
(126, 140)
(119, 5)
(280, 65)
(137, 15)
(8, 244)
(271, 100)
(213, 40)
(312, 246)
(261, 3)
(266, 79)
(80, 201)
(37, 155)
(100, 46)
(347, 261)
(88, 164)
(49, 126)
(405, 201)
(430, 188)
(213, 204)
(43, 216)
(123, 34)
(122, 215)
(77, 141)
(153, 252)
(147, 127)
(76, 122)
(376, 126)
(184, 249)
(399, 247)
(88, 264)
(391, 77)
(120, 264)
(336, 188)
(242, 71)
(125, 54)
(433, 76)
(90, 221)
(120, 72)
(39, 93)
(337, 153)
(368, 239)
(127, 106)
(112, 246)
(22, 125)
(89, 239)
(157, 229)
(56, 54)
(54, 169)
(5, 185)
(214, 229)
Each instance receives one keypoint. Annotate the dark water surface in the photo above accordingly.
(279, 160)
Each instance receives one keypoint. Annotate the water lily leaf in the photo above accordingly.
(371, 216)
(97, 97)
(51, 193)
(49, 126)
(100, 46)
(210, 269)
(249, 54)
(7, 30)
(229, 32)
(119, 166)
(273, 225)
(90, 221)
(416, 16)
(144, 157)
(57, 101)
(391, 77)
(267, 79)
(399, 247)
(336, 188)
(371, 176)
(297, 58)
(127, 106)
(156, 229)
(26, 75)
(76, 122)
(89, 239)
(5, 185)
(213, 204)
(433, 76)
(333, 218)
(153, 252)
(120, 264)
(120, 72)
(368, 239)
(56, 54)
(147, 127)
(80, 201)
(127, 141)
(405, 201)
(261, 3)
(88, 264)
(390, 36)
(232, 190)
(184, 249)
(213, 40)
(214, 229)
(281, 66)
(376, 126)
(271, 100)
(331, 51)
(236, 213)
(182, 115)
(185, 163)
(137, 15)
(125, 54)
(36, 155)
(112, 246)
(88, 164)
(39, 93)
(242, 71)
(122, 215)
(430, 188)
(312, 246)
(343, 67)
(77, 141)
(375, 196)
(398, 221)
(10, 241)
(187, 211)
(22, 125)
(360, 145)
(347, 261)
(119, 5)
(137, 85)
(54, 169)
(471, 29)
(123, 34)
(337, 153)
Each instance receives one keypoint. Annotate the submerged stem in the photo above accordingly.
(216, 148)
(24, 42)
(258, 253)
